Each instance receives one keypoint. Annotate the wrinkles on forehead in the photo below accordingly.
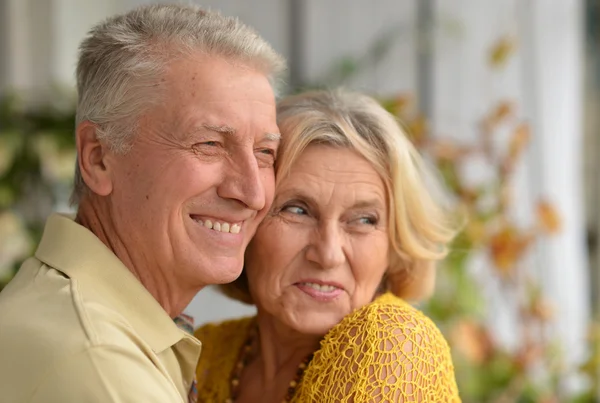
(334, 178)
(209, 99)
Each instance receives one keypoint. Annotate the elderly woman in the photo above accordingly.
(353, 233)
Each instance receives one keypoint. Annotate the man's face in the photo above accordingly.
(202, 158)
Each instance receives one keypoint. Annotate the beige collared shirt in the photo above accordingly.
(77, 326)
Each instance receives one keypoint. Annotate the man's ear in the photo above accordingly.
(91, 157)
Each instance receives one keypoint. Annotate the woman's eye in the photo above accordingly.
(367, 220)
(295, 210)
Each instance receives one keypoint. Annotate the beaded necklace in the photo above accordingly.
(244, 358)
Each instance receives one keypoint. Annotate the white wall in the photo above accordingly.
(544, 80)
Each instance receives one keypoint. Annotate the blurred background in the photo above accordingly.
(503, 96)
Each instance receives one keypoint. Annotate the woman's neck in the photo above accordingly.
(281, 349)
(278, 353)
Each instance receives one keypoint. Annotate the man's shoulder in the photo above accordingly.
(37, 302)
(47, 322)
(43, 317)
(43, 303)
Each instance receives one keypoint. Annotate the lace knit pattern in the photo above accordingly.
(387, 351)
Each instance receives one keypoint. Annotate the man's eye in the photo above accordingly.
(265, 157)
(267, 154)
(206, 144)
(267, 151)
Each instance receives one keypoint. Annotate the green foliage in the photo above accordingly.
(36, 164)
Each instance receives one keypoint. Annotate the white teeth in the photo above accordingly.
(322, 288)
(221, 227)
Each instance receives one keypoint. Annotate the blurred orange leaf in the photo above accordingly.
(447, 150)
(548, 218)
(472, 340)
(417, 129)
(529, 354)
(542, 309)
(400, 104)
(501, 112)
(518, 141)
(507, 247)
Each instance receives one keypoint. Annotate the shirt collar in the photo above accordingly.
(77, 252)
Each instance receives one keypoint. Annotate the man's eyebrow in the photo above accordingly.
(272, 136)
(224, 129)
(219, 129)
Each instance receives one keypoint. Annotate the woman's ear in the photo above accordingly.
(91, 158)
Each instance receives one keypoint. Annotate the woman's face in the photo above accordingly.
(322, 251)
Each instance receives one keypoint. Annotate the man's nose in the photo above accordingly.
(244, 181)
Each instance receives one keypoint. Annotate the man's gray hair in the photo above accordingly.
(122, 59)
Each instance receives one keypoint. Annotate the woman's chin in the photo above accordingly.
(318, 324)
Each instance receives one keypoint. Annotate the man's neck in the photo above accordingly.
(95, 217)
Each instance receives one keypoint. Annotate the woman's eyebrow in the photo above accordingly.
(368, 203)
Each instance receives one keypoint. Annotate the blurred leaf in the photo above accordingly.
(398, 105)
(502, 111)
(507, 247)
(518, 141)
(501, 51)
(417, 129)
(472, 340)
(7, 197)
(548, 218)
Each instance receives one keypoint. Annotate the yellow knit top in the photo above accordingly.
(386, 351)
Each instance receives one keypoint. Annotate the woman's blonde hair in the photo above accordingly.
(419, 227)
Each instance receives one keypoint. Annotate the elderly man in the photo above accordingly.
(176, 141)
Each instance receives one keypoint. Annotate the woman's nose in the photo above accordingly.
(327, 247)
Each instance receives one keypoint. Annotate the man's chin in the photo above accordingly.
(221, 271)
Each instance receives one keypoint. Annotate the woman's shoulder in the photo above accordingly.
(380, 352)
(388, 312)
(393, 320)
(212, 333)
(221, 343)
